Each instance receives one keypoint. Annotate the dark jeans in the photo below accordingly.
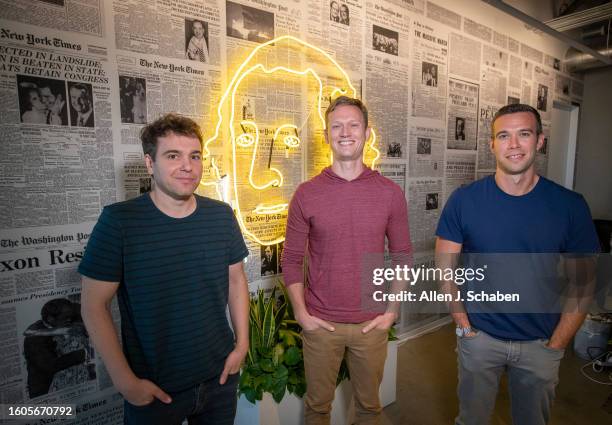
(206, 404)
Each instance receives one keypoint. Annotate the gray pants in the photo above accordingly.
(533, 374)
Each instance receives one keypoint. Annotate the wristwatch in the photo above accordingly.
(461, 332)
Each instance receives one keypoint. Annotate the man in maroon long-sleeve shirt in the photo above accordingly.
(342, 216)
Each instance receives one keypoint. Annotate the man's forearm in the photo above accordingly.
(456, 308)
(566, 329)
(101, 329)
(579, 295)
(238, 302)
(447, 257)
(296, 295)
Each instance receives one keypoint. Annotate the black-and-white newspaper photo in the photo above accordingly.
(424, 206)
(462, 123)
(426, 158)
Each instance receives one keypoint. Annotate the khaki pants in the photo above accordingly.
(365, 356)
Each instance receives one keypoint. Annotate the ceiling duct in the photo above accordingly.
(592, 27)
(558, 27)
(576, 61)
(581, 19)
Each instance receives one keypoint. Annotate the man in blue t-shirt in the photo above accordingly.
(507, 219)
(175, 260)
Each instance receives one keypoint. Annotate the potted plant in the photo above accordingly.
(274, 362)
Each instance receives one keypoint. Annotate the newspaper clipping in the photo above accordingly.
(462, 115)
(424, 207)
(429, 73)
(426, 151)
(387, 77)
(460, 171)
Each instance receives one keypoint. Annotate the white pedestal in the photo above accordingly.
(290, 411)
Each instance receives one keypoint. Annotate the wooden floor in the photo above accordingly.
(427, 381)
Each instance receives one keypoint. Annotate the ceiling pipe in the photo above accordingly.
(581, 19)
(586, 50)
(575, 61)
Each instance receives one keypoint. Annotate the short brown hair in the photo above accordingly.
(169, 123)
(350, 101)
(514, 108)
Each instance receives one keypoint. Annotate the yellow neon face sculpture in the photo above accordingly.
(273, 115)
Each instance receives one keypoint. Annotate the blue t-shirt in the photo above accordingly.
(173, 276)
(548, 219)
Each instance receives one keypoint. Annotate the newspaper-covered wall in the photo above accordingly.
(79, 79)
(387, 35)
(429, 71)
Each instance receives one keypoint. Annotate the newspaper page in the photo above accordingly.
(493, 85)
(412, 7)
(135, 177)
(500, 40)
(273, 112)
(527, 70)
(515, 73)
(424, 207)
(47, 356)
(67, 15)
(460, 171)
(542, 93)
(426, 151)
(514, 95)
(495, 58)
(58, 172)
(462, 124)
(416, 314)
(477, 30)
(263, 266)
(188, 29)
(443, 15)
(150, 86)
(429, 70)
(58, 163)
(486, 159)
(513, 45)
(267, 171)
(526, 93)
(531, 53)
(562, 88)
(337, 26)
(387, 77)
(552, 62)
(395, 172)
(465, 57)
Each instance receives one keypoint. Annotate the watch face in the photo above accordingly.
(461, 332)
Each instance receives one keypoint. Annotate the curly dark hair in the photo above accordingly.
(168, 123)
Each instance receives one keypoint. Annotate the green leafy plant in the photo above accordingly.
(274, 362)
